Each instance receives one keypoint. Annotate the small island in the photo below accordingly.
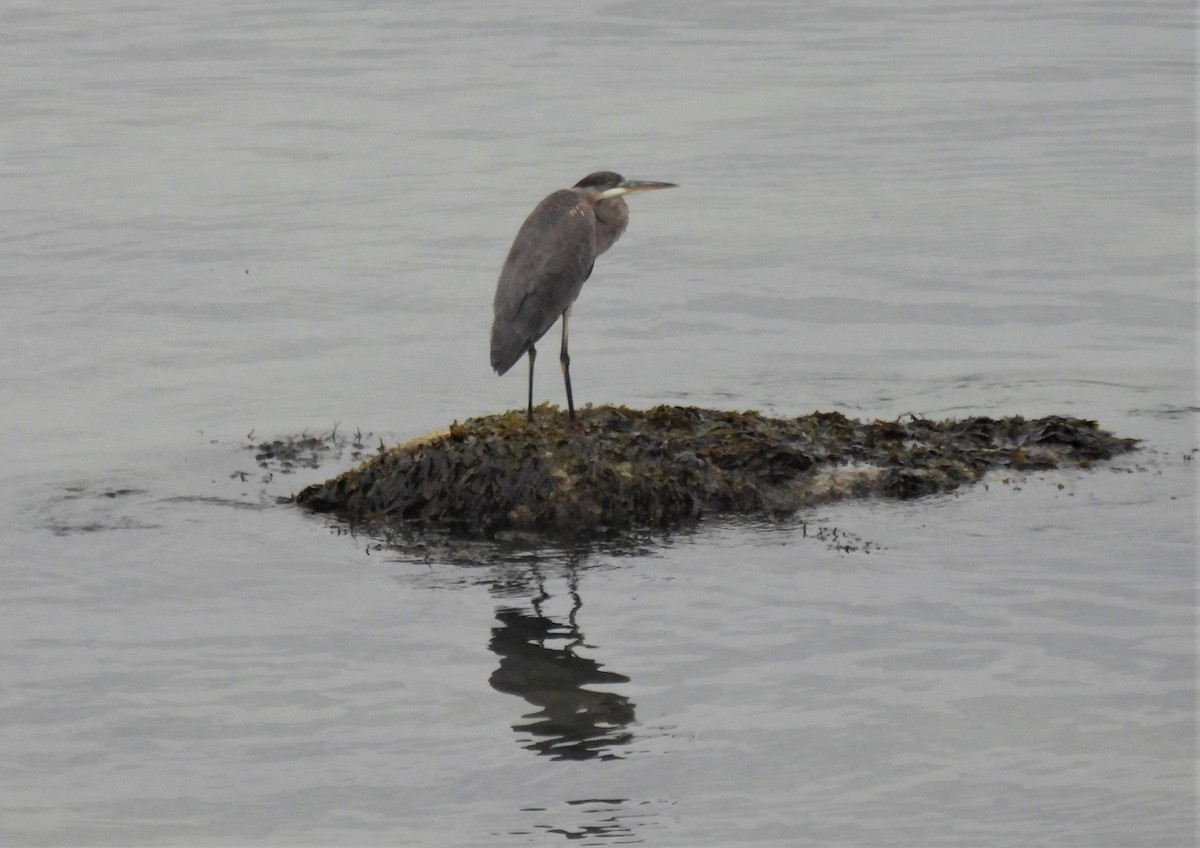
(618, 470)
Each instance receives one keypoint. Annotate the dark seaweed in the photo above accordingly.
(618, 470)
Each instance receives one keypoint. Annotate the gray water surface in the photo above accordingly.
(229, 223)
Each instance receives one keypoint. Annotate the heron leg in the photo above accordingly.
(564, 359)
(529, 410)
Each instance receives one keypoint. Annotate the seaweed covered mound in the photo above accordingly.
(618, 469)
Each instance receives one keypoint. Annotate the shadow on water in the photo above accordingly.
(539, 663)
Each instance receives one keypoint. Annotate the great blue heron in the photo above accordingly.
(550, 259)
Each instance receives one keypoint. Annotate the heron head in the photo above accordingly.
(603, 185)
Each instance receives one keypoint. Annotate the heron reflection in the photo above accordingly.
(538, 662)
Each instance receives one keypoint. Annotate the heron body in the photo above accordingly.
(550, 260)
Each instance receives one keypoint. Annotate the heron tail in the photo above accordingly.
(507, 346)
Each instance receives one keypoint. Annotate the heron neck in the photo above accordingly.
(612, 217)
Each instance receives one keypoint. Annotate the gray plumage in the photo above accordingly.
(550, 260)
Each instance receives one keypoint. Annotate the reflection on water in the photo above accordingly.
(538, 662)
(605, 821)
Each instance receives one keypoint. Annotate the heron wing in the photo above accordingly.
(550, 259)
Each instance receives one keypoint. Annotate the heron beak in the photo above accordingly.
(631, 186)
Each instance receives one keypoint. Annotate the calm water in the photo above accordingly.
(241, 221)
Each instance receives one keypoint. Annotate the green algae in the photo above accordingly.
(617, 469)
